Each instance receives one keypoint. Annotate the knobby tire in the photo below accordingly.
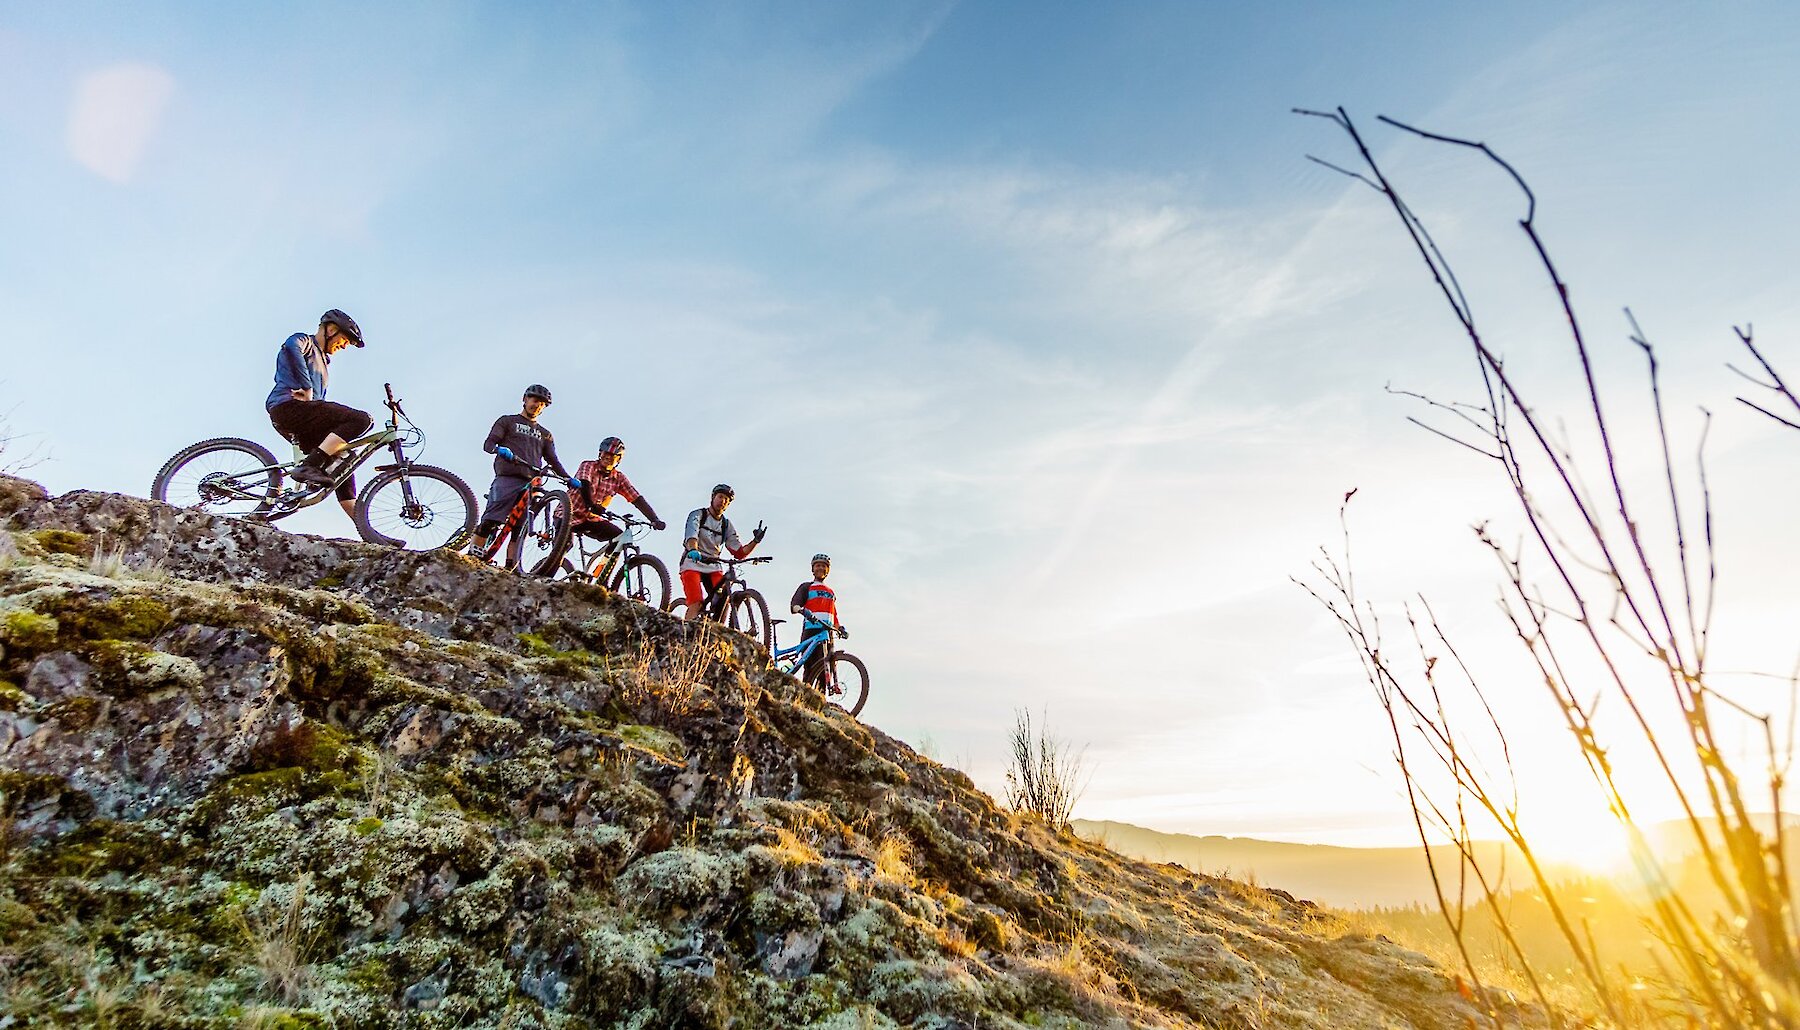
(441, 518)
(169, 478)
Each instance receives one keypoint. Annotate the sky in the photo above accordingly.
(1033, 315)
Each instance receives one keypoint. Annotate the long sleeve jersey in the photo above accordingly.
(532, 445)
(301, 364)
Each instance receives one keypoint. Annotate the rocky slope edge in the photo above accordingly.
(249, 778)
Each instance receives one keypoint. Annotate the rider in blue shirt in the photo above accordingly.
(299, 411)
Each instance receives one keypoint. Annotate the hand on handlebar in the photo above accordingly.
(658, 524)
(696, 556)
(843, 633)
(505, 452)
(574, 484)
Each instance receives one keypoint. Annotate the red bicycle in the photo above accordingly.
(536, 531)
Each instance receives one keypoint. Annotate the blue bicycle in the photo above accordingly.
(845, 679)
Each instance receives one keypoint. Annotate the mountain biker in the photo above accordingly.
(707, 531)
(600, 480)
(299, 411)
(519, 445)
(818, 603)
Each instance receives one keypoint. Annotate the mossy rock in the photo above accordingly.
(18, 494)
(103, 846)
(63, 541)
(29, 631)
(76, 714)
(129, 669)
(988, 931)
(12, 699)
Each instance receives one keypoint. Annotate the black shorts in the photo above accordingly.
(308, 423)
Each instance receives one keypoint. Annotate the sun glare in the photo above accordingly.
(1588, 840)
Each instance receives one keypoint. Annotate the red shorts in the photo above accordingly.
(691, 586)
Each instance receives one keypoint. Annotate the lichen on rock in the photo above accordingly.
(296, 782)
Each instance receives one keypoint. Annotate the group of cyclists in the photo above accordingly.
(523, 448)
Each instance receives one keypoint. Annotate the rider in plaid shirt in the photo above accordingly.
(600, 480)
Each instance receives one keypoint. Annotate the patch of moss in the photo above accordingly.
(370, 825)
(102, 846)
(129, 669)
(75, 714)
(651, 738)
(23, 788)
(333, 579)
(63, 541)
(988, 931)
(11, 697)
(28, 630)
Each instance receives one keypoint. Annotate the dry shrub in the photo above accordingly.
(1609, 596)
(1045, 777)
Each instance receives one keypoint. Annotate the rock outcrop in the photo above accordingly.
(249, 778)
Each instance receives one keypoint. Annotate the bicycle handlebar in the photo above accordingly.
(758, 560)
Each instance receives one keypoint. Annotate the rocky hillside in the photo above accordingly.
(249, 778)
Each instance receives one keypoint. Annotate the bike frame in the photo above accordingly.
(360, 450)
(597, 563)
(797, 656)
(713, 605)
(516, 516)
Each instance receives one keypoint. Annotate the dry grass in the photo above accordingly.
(279, 944)
(792, 851)
(893, 858)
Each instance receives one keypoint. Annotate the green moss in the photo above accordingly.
(367, 826)
(22, 788)
(76, 714)
(28, 630)
(988, 931)
(334, 579)
(102, 846)
(120, 617)
(62, 541)
(11, 697)
(129, 669)
(651, 738)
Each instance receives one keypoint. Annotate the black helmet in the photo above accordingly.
(725, 488)
(612, 445)
(539, 391)
(345, 324)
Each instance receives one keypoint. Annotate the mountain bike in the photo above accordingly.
(619, 564)
(733, 603)
(846, 679)
(406, 505)
(536, 530)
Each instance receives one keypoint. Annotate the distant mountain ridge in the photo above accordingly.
(1343, 877)
(1330, 874)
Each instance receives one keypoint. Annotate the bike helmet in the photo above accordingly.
(822, 556)
(539, 391)
(612, 445)
(725, 488)
(345, 324)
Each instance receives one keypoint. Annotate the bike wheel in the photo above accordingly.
(417, 507)
(226, 476)
(678, 607)
(539, 544)
(851, 677)
(642, 578)
(749, 615)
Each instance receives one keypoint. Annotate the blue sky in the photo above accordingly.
(1032, 314)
